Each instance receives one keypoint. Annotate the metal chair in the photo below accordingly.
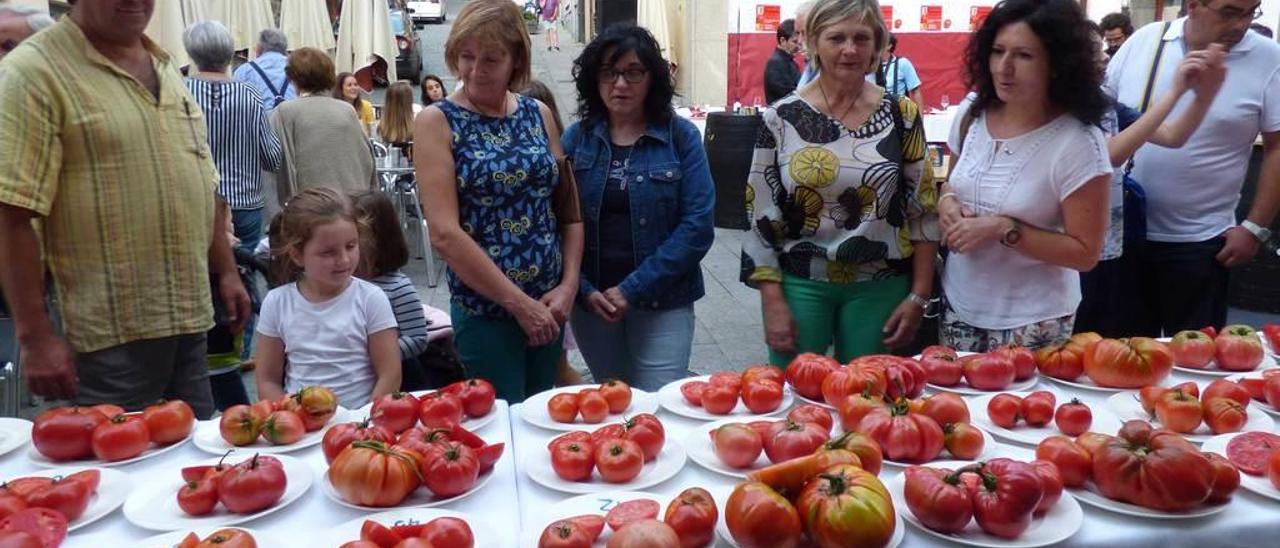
(11, 393)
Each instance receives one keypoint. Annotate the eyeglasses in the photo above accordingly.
(632, 76)
(8, 45)
(1230, 13)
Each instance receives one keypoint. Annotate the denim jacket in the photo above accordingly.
(672, 208)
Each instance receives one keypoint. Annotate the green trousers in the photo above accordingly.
(495, 349)
(853, 314)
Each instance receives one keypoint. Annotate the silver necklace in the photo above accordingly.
(626, 163)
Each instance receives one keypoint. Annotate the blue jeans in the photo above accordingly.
(647, 348)
(248, 228)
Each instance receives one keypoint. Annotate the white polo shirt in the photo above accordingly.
(1192, 192)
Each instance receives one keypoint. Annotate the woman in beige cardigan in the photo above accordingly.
(324, 145)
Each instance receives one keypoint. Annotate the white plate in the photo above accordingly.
(40, 460)
(1260, 404)
(486, 535)
(593, 503)
(1258, 484)
(672, 400)
(1058, 524)
(14, 433)
(702, 451)
(1085, 383)
(1104, 420)
(669, 463)
(965, 390)
(722, 526)
(209, 438)
(1127, 407)
(113, 489)
(469, 423)
(419, 498)
(1089, 495)
(1212, 370)
(169, 540)
(534, 410)
(154, 503)
(818, 403)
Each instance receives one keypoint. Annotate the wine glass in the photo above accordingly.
(946, 101)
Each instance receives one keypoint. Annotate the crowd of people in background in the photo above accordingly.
(1095, 171)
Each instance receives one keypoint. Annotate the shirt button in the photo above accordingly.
(643, 221)
(639, 178)
(669, 174)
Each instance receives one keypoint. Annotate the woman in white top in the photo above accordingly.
(1025, 208)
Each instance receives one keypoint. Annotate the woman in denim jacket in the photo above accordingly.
(648, 198)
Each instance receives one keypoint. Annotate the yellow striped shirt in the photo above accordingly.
(125, 183)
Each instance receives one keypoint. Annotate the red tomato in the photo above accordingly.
(396, 412)
(806, 372)
(1024, 361)
(1271, 390)
(618, 394)
(1073, 418)
(563, 407)
(1223, 388)
(283, 428)
(763, 372)
(619, 460)
(846, 381)
(719, 399)
(70, 497)
(49, 526)
(1004, 410)
(451, 471)
(1051, 482)
(228, 538)
(1238, 348)
(120, 438)
(1226, 478)
(811, 413)
(370, 473)
(439, 410)
(11, 504)
(762, 396)
(414, 543)
(489, 455)
(941, 365)
(937, 498)
(854, 407)
(963, 441)
(633, 510)
(861, 445)
(573, 460)
(450, 532)
(1065, 361)
(567, 534)
(1037, 408)
(251, 486)
(693, 516)
(594, 407)
(240, 425)
(1273, 469)
(945, 408)
(1192, 349)
(1224, 415)
(644, 533)
(263, 408)
(1249, 451)
(1006, 497)
(341, 435)
(19, 539)
(788, 440)
(23, 487)
(169, 421)
(847, 506)
(1153, 468)
(758, 517)
(646, 430)
(108, 410)
(737, 445)
(732, 379)
(477, 397)
(66, 433)
(198, 498)
(988, 371)
(1074, 463)
(606, 433)
(1179, 412)
(379, 534)
(1148, 396)
(692, 392)
(1128, 363)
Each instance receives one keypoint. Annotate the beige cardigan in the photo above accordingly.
(324, 146)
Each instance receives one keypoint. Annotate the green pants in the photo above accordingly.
(853, 314)
(495, 349)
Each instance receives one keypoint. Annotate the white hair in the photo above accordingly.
(36, 19)
(209, 44)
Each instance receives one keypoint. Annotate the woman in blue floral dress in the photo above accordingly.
(488, 170)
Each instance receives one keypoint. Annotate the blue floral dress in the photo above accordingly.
(506, 174)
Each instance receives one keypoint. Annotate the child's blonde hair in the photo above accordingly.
(396, 125)
(292, 228)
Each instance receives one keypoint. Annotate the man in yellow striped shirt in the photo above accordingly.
(106, 146)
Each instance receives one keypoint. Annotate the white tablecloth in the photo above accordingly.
(304, 522)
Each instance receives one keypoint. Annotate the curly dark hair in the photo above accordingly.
(1074, 82)
(605, 50)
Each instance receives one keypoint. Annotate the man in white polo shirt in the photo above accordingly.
(1193, 237)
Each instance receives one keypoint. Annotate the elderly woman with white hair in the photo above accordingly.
(17, 23)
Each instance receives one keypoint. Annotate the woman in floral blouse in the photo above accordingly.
(841, 201)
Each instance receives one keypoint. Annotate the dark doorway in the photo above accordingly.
(609, 12)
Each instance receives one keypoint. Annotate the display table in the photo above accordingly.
(304, 522)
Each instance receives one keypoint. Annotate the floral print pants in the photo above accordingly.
(967, 338)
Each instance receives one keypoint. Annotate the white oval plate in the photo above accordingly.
(1258, 484)
(534, 410)
(669, 463)
(113, 489)
(485, 533)
(419, 498)
(1089, 495)
(169, 540)
(593, 503)
(208, 437)
(1212, 370)
(1104, 420)
(1085, 383)
(1127, 407)
(1263, 405)
(38, 459)
(722, 526)
(1058, 524)
(702, 451)
(14, 433)
(672, 400)
(469, 423)
(154, 503)
(965, 390)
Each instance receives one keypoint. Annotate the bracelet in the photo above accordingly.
(918, 300)
(946, 195)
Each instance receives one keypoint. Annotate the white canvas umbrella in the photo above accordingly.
(167, 23)
(365, 38)
(652, 15)
(245, 19)
(306, 24)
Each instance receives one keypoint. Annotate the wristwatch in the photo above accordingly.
(1262, 233)
(1012, 234)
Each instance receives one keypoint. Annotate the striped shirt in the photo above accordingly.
(407, 306)
(240, 137)
(124, 181)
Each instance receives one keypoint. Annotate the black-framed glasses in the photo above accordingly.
(633, 76)
(1230, 13)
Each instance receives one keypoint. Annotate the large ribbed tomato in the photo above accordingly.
(847, 381)
(1066, 361)
(1152, 468)
(370, 473)
(847, 506)
(938, 498)
(902, 435)
(1005, 496)
(758, 517)
(1128, 363)
(807, 371)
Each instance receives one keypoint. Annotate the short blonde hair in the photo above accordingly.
(493, 23)
(826, 13)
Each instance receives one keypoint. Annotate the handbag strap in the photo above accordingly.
(1152, 72)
